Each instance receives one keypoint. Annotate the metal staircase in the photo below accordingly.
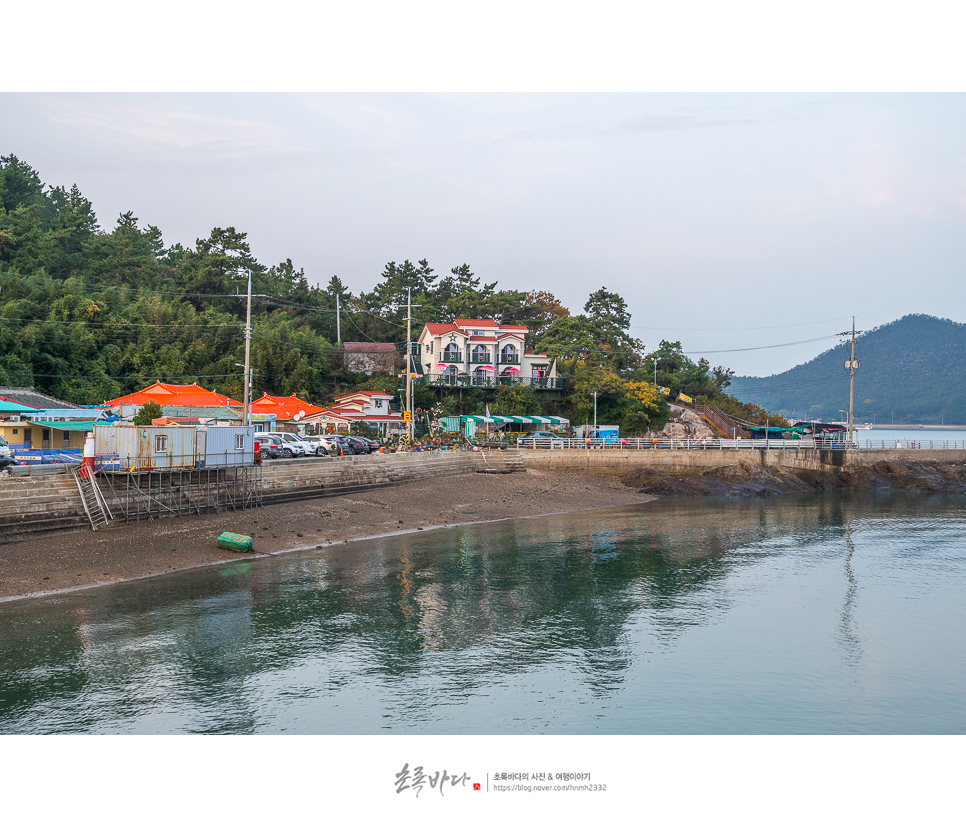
(98, 513)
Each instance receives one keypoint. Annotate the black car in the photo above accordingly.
(359, 446)
(341, 445)
(371, 445)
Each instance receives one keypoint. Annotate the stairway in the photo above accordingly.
(98, 513)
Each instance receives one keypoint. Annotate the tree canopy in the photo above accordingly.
(90, 313)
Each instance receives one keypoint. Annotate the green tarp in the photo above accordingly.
(68, 425)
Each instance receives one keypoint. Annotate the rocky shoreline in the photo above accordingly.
(749, 480)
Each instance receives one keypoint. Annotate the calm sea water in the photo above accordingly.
(812, 614)
(922, 437)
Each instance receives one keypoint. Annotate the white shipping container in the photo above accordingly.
(220, 446)
(143, 448)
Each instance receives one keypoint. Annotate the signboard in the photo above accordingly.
(666, 392)
(685, 398)
(407, 416)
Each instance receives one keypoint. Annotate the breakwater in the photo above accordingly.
(762, 472)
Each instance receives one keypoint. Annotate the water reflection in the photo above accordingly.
(676, 616)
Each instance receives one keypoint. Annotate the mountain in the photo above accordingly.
(911, 371)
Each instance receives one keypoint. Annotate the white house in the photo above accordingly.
(360, 407)
(480, 352)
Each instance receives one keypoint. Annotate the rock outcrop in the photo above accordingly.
(745, 479)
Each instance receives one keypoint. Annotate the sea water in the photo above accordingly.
(801, 614)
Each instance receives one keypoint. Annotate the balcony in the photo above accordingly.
(508, 359)
(452, 357)
(546, 383)
(480, 358)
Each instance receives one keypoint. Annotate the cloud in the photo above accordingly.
(182, 127)
(659, 124)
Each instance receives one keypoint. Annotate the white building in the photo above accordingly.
(481, 353)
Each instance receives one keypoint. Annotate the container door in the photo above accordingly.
(201, 448)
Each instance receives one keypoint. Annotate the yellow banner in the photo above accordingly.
(685, 398)
(666, 392)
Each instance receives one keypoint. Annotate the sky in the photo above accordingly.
(750, 227)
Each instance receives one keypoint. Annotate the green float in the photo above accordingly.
(236, 542)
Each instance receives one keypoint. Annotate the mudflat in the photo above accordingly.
(84, 558)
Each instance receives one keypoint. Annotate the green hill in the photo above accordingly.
(911, 372)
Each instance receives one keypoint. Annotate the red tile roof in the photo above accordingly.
(513, 327)
(437, 329)
(361, 395)
(164, 393)
(475, 323)
(482, 338)
(284, 408)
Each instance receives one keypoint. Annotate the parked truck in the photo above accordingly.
(605, 433)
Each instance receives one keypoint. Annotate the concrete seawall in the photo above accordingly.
(619, 461)
(49, 503)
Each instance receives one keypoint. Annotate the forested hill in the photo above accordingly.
(89, 313)
(911, 372)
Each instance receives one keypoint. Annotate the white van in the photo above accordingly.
(7, 457)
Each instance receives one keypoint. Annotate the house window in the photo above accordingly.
(429, 348)
(377, 403)
(477, 332)
(161, 443)
(239, 443)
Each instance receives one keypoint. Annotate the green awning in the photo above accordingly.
(7, 407)
(513, 418)
(65, 425)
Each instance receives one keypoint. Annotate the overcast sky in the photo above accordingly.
(725, 220)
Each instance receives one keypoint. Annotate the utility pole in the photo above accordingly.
(409, 364)
(595, 413)
(655, 373)
(852, 366)
(248, 353)
(338, 323)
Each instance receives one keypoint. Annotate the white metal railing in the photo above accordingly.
(740, 443)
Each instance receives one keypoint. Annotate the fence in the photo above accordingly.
(491, 380)
(719, 443)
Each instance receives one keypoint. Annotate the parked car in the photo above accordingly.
(340, 444)
(7, 457)
(308, 448)
(540, 440)
(359, 446)
(323, 446)
(290, 449)
(369, 446)
(270, 447)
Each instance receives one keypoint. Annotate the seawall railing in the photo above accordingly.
(717, 444)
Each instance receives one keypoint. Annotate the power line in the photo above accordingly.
(106, 376)
(761, 347)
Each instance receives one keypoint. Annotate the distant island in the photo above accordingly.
(910, 373)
